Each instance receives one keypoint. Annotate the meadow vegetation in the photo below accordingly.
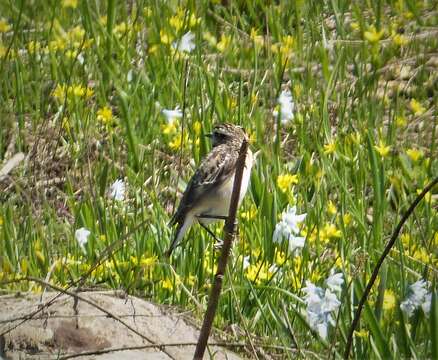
(109, 102)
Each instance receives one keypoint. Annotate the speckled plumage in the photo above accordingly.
(209, 190)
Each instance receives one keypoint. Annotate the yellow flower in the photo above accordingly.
(280, 258)
(224, 43)
(329, 231)
(400, 121)
(330, 148)
(197, 128)
(256, 38)
(1, 221)
(70, 4)
(414, 154)
(354, 26)
(372, 35)
(258, 273)
(417, 108)
(33, 47)
(177, 141)
(167, 284)
(40, 257)
(382, 149)
(165, 37)
(362, 334)
(285, 181)
(399, 39)
(405, 239)
(207, 36)
(190, 280)
(388, 300)
(331, 208)
(4, 26)
(176, 22)
(105, 114)
(346, 219)
(250, 214)
(315, 276)
(24, 264)
(149, 261)
(170, 127)
(427, 197)
(421, 255)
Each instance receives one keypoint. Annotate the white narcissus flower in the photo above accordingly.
(117, 190)
(320, 305)
(171, 115)
(288, 229)
(292, 219)
(335, 281)
(418, 296)
(186, 43)
(287, 107)
(81, 236)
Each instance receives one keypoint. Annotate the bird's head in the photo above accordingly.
(227, 134)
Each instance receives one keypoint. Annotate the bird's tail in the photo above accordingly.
(179, 234)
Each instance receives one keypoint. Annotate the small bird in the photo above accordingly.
(208, 193)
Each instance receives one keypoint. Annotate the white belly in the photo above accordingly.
(219, 203)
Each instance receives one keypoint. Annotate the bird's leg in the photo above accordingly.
(218, 242)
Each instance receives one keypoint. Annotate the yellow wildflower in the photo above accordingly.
(105, 115)
(258, 273)
(382, 149)
(285, 181)
(165, 37)
(400, 121)
(405, 239)
(1, 221)
(331, 208)
(70, 4)
(347, 219)
(372, 35)
(280, 258)
(197, 128)
(177, 141)
(330, 148)
(224, 43)
(33, 47)
(427, 197)
(207, 36)
(176, 22)
(250, 214)
(362, 334)
(170, 128)
(102, 237)
(421, 255)
(40, 257)
(4, 26)
(167, 284)
(24, 264)
(414, 154)
(149, 261)
(400, 39)
(417, 108)
(329, 231)
(256, 38)
(315, 276)
(354, 26)
(388, 300)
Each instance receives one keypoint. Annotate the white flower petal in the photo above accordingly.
(335, 281)
(172, 114)
(81, 236)
(186, 43)
(117, 190)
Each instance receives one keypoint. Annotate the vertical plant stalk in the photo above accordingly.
(386, 251)
(229, 229)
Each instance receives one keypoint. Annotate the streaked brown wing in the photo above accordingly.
(216, 167)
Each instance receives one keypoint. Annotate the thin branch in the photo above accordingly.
(160, 346)
(229, 230)
(380, 262)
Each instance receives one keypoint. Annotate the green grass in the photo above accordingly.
(373, 86)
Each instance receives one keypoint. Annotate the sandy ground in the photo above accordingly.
(58, 331)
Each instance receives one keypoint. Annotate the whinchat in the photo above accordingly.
(208, 193)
